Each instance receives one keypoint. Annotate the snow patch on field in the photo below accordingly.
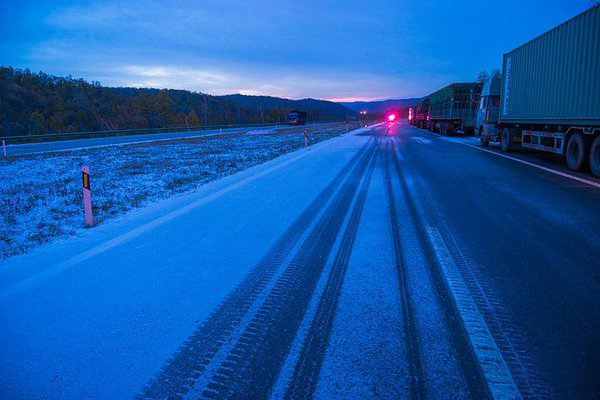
(41, 195)
(260, 132)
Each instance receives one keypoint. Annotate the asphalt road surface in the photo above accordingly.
(386, 263)
(44, 147)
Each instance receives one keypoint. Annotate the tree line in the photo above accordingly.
(38, 103)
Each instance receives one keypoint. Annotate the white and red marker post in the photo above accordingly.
(4, 147)
(87, 196)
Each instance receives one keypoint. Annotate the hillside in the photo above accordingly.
(317, 109)
(380, 106)
(38, 103)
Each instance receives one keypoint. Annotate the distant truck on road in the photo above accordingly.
(550, 94)
(297, 117)
(421, 113)
(453, 108)
(489, 109)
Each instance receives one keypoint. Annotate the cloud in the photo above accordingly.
(171, 75)
(253, 80)
(92, 16)
(321, 49)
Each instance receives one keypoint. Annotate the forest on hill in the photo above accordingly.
(38, 103)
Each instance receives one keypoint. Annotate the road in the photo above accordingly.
(44, 147)
(386, 263)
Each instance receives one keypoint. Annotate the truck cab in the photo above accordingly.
(297, 117)
(488, 112)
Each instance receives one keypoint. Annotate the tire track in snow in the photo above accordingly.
(417, 379)
(245, 352)
(510, 341)
(308, 366)
(486, 362)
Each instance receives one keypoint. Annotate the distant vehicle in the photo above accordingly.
(489, 109)
(421, 113)
(411, 115)
(453, 108)
(297, 117)
(550, 98)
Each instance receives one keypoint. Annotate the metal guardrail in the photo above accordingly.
(127, 132)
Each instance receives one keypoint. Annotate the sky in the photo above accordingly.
(336, 50)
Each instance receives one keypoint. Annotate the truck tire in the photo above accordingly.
(595, 157)
(576, 152)
(506, 140)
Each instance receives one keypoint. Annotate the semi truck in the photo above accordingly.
(550, 94)
(453, 108)
(421, 113)
(489, 110)
(297, 117)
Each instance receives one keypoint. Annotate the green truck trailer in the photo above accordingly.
(550, 94)
(421, 113)
(453, 109)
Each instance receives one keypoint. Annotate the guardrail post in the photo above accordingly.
(87, 196)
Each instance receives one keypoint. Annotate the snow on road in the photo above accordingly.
(367, 356)
(40, 195)
(101, 325)
(311, 275)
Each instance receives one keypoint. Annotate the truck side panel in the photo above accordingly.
(554, 79)
(457, 102)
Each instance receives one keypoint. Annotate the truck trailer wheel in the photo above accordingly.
(450, 129)
(506, 140)
(576, 152)
(595, 157)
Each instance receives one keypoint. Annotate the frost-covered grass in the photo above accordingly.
(41, 195)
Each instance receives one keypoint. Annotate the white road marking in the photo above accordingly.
(459, 139)
(552, 171)
(497, 375)
(420, 139)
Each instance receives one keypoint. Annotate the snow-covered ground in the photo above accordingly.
(41, 196)
(97, 315)
(341, 270)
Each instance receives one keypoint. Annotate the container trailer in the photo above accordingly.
(421, 112)
(453, 108)
(550, 94)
